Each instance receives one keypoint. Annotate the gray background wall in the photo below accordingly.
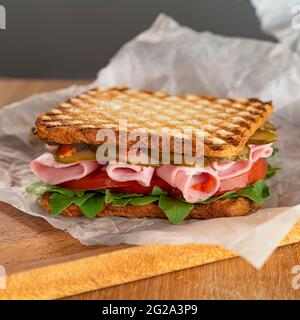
(74, 38)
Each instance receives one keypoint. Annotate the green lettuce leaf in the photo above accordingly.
(80, 193)
(275, 151)
(108, 197)
(272, 171)
(143, 200)
(229, 194)
(156, 191)
(92, 206)
(121, 202)
(258, 192)
(92, 202)
(176, 210)
(39, 188)
(79, 200)
(119, 195)
(59, 202)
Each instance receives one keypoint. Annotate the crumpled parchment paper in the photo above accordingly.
(179, 60)
(281, 19)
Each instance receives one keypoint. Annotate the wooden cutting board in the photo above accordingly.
(42, 262)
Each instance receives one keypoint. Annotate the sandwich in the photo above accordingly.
(75, 179)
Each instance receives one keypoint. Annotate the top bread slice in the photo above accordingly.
(227, 123)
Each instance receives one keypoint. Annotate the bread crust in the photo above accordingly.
(228, 123)
(220, 208)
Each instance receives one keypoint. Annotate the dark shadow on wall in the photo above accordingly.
(75, 38)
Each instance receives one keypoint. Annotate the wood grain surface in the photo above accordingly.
(32, 240)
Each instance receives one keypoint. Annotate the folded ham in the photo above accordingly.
(125, 172)
(196, 184)
(50, 171)
(184, 178)
(227, 170)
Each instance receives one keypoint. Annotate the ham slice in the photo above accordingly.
(125, 172)
(227, 170)
(262, 151)
(48, 170)
(184, 178)
(207, 179)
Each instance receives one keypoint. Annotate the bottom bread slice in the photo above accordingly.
(220, 208)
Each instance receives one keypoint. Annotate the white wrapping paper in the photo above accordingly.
(281, 19)
(179, 60)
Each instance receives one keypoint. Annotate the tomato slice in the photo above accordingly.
(99, 180)
(258, 171)
(206, 185)
(94, 181)
(135, 187)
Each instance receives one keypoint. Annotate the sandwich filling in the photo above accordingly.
(74, 176)
(195, 184)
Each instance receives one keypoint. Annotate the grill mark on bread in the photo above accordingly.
(244, 124)
(234, 120)
(217, 147)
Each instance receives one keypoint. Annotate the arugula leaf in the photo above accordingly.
(258, 192)
(176, 210)
(58, 203)
(66, 192)
(229, 194)
(92, 206)
(79, 193)
(143, 200)
(156, 191)
(80, 200)
(121, 202)
(272, 171)
(118, 195)
(119, 199)
(92, 202)
(108, 197)
(89, 204)
(275, 151)
(39, 188)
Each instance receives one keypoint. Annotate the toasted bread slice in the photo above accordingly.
(227, 123)
(220, 208)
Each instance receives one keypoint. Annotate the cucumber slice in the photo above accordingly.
(77, 157)
(262, 137)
